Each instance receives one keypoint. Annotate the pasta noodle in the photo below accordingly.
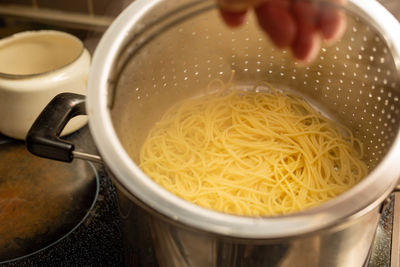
(251, 153)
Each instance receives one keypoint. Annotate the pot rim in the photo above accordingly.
(369, 193)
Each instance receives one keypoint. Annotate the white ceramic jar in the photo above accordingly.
(35, 66)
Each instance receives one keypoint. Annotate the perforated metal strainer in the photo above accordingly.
(355, 80)
(159, 52)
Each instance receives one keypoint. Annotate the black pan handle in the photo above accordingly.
(43, 138)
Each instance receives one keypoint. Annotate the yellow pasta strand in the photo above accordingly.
(251, 153)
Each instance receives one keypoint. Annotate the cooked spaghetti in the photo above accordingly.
(251, 153)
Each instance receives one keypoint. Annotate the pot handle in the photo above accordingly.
(43, 138)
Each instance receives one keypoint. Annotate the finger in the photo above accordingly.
(331, 22)
(306, 44)
(233, 18)
(275, 19)
(305, 13)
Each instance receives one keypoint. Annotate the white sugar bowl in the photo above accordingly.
(35, 66)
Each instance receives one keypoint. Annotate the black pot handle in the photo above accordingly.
(43, 138)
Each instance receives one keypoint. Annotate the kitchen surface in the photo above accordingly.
(80, 225)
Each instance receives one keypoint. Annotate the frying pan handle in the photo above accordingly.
(43, 138)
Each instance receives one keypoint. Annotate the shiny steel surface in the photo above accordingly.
(87, 156)
(158, 52)
(347, 244)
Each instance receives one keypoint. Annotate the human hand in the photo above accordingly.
(295, 24)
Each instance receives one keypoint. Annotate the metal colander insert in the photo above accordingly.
(354, 81)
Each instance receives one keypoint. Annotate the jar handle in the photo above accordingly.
(43, 138)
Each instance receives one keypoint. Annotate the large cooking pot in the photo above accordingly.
(158, 52)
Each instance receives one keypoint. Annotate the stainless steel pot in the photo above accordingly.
(158, 52)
